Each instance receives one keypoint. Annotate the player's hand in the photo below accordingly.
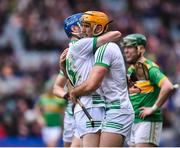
(129, 81)
(62, 59)
(134, 89)
(146, 111)
(73, 97)
(41, 122)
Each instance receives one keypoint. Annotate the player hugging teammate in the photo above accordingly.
(95, 67)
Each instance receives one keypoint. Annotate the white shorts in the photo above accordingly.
(146, 132)
(119, 123)
(70, 129)
(83, 124)
(51, 134)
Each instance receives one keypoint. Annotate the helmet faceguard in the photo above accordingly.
(73, 20)
(95, 18)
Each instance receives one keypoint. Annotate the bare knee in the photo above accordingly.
(75, 142)
(91, 140)
(111, 140)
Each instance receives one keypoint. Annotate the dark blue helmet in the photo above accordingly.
(72, 20)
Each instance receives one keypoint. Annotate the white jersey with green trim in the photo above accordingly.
(79, 63)
(114, 85)
(69, 108)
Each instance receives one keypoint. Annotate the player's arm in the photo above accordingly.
(90, 45)
(165, 89)
(110, 36)
(62, 62)
(58, 88)
(91, 84)
(101, 67)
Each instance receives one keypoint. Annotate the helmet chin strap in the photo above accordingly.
(75, 34)
(138, 56)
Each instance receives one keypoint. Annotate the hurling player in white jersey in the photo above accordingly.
(79, 63)
(70, 134)
(109, 74)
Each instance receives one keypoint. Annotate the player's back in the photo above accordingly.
(79, 60)
(114, 84)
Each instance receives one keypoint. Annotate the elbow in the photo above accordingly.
(117, 35)
(169, 87)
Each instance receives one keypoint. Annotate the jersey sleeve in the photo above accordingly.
(85, 46)
(105, 54)
(156, 76)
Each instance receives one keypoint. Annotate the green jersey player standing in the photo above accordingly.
(149, 89)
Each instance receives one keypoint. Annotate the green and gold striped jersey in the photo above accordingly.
(150, 89)
(52, 108)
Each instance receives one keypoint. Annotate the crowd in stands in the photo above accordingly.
(32, 38)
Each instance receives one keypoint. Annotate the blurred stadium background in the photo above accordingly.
(32, 38)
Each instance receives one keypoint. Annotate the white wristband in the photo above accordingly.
(155, 107)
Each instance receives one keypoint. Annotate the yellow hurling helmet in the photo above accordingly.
(95, 18)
